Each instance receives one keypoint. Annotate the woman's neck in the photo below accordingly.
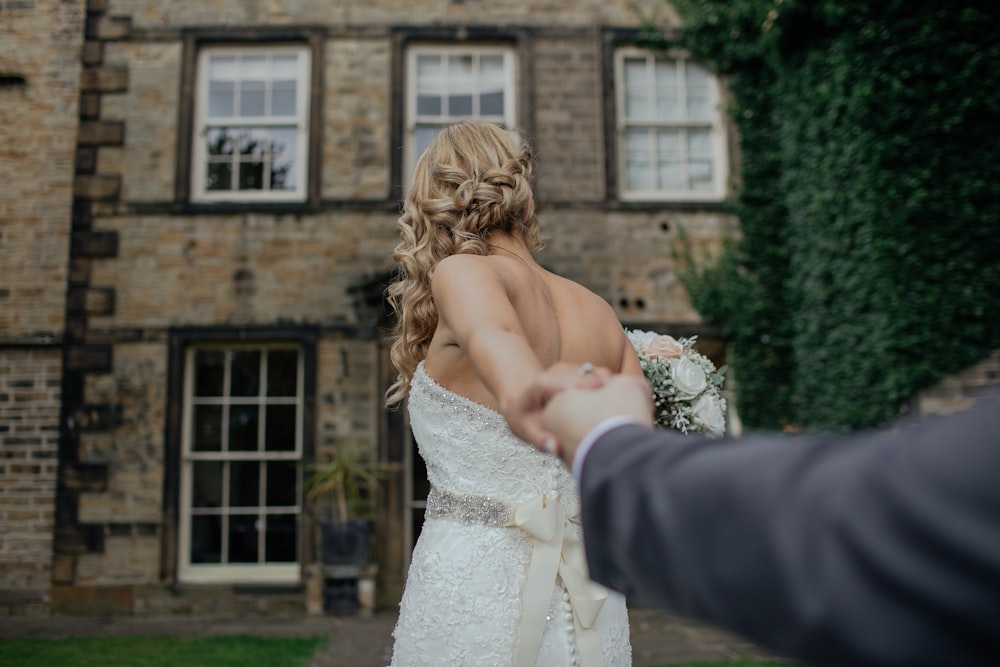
(503, 243)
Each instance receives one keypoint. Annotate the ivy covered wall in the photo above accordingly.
(869, 201)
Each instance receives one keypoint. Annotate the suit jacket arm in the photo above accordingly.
(876, 549)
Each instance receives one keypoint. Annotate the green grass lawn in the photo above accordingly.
(234, 651)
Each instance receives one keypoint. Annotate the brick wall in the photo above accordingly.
(29, 440)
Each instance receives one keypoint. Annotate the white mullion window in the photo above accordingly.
(446, 83)
(671, 139)
(241, 471)
(251, 124)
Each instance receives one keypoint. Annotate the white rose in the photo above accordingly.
(689, 379)
(708, 412)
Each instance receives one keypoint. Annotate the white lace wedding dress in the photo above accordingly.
(495, 578)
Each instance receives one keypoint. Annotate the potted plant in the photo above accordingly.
(342, 491)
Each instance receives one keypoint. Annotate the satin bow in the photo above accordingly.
(556, 549)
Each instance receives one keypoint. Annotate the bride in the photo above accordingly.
(498, 575)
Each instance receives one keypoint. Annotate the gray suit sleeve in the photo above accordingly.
(879, 549)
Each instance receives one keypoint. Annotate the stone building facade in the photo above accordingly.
(221, 184)
(198, 204)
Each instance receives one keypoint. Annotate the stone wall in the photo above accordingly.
(39, 89)
(960, 390)
(29, 439)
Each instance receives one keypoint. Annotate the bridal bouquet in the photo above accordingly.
(686, 384)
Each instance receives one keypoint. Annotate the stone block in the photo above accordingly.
(101, 133)
(95, 244)
(92, 53)
(89, 600)
(98, 186)
(108, 28)
(91, 301)
(88, 358)
(90, 105)
(104, 79)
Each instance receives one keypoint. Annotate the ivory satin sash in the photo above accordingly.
(556, 550)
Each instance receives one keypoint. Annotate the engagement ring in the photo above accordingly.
(585, 368)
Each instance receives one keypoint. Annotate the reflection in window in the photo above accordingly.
(250, 140)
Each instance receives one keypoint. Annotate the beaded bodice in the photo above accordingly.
(469, 450)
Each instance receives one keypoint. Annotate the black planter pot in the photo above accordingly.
(345, 542)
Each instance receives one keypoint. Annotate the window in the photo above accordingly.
(251, 124)
(671, 142)
(449, 83)
(241, 457)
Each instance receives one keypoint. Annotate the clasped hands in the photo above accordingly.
(565, 401)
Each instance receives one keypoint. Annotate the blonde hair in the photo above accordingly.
(474, 179)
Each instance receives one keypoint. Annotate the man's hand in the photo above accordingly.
(569, 415)
(525, 416)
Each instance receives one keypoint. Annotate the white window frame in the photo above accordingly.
(507, 119)
(299, 121)
(715, 125)
(271, 573)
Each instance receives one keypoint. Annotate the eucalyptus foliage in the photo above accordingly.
(869, 201)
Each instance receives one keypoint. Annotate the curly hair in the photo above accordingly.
(474, 179)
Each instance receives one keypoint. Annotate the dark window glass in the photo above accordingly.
(207, 484)
(206, 539)
(282, 483)
(243, 531)
(281, 539)
(245, 374)
(282, 372)
(244, 483)
(243, 428)
(207, 428)
(280, 431)
(209, 372)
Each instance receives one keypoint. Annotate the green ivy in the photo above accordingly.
(869, 201)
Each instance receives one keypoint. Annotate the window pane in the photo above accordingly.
(243, 538)
(638, 175)
(219, 141)
(245, 373)
(491, 69)
(666, 74)
(281, 538)
(491, 104)
(243, 428)
(672, 176)
(252, 99)
(282, 372)
(429, 105)
(699, 143)
(637, 143)
(282, 484)
(699, 106)
(283, 98)
(668, 105)
(696, 75)
(668, 144)
(700, 175)
(280, 429)
(209, 372)
(251, 176)
(206, 539)
(635, 72)
(244, 484)
(207, 428)
(283, 156)
(460, 105)
(285, 67)
(206, 484)
(430, 73)
(221, 99)
(219, 176)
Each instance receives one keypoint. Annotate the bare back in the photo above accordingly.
(536, 317)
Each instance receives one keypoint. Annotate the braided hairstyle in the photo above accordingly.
(474, 179)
